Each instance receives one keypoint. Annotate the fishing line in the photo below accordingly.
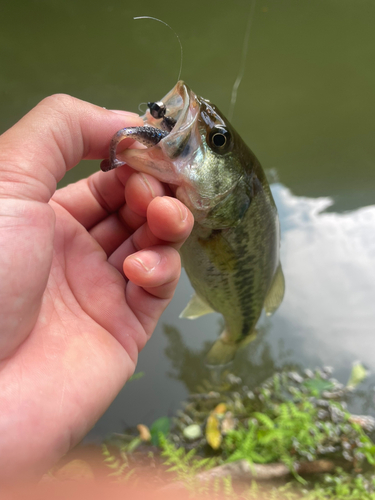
(142, 107)
(178, 38)
(241, 72)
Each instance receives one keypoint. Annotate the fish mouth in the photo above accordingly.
(181, 107)
(161, 159)
(176, 103)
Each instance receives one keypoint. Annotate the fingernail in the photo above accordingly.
(123, 113)
(148, 185)
(147, 259)
(182, 209)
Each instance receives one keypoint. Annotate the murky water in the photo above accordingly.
(305, 106)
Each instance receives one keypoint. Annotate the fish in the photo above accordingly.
(232, 256)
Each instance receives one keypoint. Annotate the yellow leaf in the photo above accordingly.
(220, 409)
(213, 434)
(144, 432)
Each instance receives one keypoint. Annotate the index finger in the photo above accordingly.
(91, 200)
(51, 139)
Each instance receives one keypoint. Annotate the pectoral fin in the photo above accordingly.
(275, 293)
(196, 307)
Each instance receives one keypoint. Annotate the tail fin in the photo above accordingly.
(223, 352)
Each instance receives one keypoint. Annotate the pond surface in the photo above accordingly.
(305, 106)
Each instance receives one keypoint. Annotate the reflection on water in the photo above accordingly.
(329, 261)
(252, 365)
(327, 317)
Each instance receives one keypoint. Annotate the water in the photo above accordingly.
(306, 108)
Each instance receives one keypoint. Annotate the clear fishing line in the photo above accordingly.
(241, 72)
(142, 107)
(178, 38)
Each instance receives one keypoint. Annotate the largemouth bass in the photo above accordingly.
(232, 254)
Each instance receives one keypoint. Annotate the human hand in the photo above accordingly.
(71, 324)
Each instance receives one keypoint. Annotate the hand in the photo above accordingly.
(84, 278)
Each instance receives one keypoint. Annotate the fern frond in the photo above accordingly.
(264, 419)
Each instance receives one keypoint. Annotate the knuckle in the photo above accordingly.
(58, 101)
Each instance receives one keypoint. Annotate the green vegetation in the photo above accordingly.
(291, 417)
(185, 465)
(338, 486)
(296, 419)
(299, 429)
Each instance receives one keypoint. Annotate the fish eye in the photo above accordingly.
(219, 139)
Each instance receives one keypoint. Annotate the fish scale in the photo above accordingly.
(240, 293)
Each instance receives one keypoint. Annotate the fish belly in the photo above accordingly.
(232, 269)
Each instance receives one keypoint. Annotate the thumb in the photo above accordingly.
(34, 155)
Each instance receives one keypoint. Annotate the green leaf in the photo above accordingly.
(257, 458)
(136, 376)
(189, 455)
(358, 375)
(370, 458)
(114, 465)
(160, 426)
(318, 385)
(134, 443)
(105, 451)
(264, 419)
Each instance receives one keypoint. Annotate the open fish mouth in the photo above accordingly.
(179, 134)
(167, 130)
(171, 111)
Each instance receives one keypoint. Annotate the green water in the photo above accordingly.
(306, 106)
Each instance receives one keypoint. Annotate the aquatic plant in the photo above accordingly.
(118, 462)
(343, 485)
(293, 418)
(185, 465)
(299, 429)
(290, 417)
